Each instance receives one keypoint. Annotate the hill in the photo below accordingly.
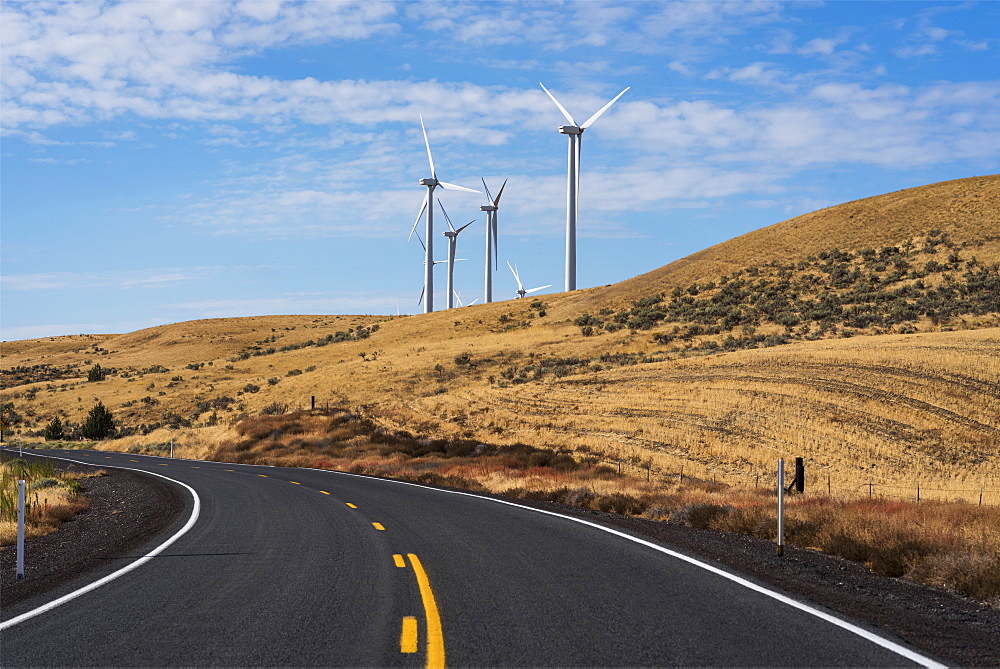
(864, 337)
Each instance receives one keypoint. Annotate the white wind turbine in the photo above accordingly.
(521, 292)
(452, 236)
(492, 246)
(428, 207)
(574, 131)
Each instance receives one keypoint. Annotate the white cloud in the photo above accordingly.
(145, 278)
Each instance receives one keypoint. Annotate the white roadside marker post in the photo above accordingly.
(171, 449)
(781, 506)
(20, 529)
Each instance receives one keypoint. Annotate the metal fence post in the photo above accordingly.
(20, 529)
(781, 506)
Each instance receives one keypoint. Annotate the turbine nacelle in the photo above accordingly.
(571, 130)
(487, 207)
(430, 182)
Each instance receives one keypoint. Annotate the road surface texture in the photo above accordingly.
(280, 566)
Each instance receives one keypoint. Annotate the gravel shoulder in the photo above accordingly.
(128, 510)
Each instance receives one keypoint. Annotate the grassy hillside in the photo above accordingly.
(864, 337)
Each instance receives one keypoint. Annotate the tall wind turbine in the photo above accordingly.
(521, 292)
(492, 252)
(428, 207)
(574, 131)
(452, 236)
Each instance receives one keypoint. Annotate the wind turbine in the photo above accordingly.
(428, 207)
(492, 247)
(521, 292)
(452, 236)
(574, 131)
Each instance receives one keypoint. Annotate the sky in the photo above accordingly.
(169, 161)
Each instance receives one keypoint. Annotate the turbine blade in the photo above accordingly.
(496, 202)
(423, 208)
(487, 189)
(421, 300)
(422, 245)
(473, 301)
(464, 226)
(458, 299)
(430, 158)
(454, 187)
(516, 277)
(561, 108)
(603, 109)
(446, 215)
(539, 288)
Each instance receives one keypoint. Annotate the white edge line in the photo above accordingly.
(124, 570)
(801, 606)
(843, 624)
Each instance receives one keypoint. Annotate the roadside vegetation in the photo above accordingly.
(52, 497)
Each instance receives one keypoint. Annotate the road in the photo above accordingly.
(313, 568)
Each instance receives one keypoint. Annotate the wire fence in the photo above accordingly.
(817, 481)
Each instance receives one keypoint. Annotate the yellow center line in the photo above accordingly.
(432, 622)
(350, 505)
(264, 475)
(228, 470)
(164, 464)
(133, 461)
(408, 638)
(398, 559)
(324, 492)
(295, 482)
(378, 526)
(195, 467)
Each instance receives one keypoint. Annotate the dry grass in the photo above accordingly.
(955, 546)
(51, 498)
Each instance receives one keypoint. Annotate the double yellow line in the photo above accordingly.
(432, 618)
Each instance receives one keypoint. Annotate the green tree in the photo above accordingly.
(54, 431)
(96, 373)
(100, 424)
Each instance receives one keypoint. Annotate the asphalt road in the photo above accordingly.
(298, 567)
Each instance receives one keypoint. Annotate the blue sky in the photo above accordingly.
(168, 161)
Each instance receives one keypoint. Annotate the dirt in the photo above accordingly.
(129, 509)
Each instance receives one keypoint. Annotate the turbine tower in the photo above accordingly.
(428, 207)
(452, 236)
(492, 247)
(521, 292)
(574, 132)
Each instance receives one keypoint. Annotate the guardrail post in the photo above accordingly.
(781, 506)
(20, 529)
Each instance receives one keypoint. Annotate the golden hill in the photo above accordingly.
(864, 337)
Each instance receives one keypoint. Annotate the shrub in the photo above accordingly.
(96, 373)
(100, 424)
(54, 431)
(701, 514)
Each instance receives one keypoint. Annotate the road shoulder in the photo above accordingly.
(127, 510)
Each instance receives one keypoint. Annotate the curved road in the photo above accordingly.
(303, 567)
